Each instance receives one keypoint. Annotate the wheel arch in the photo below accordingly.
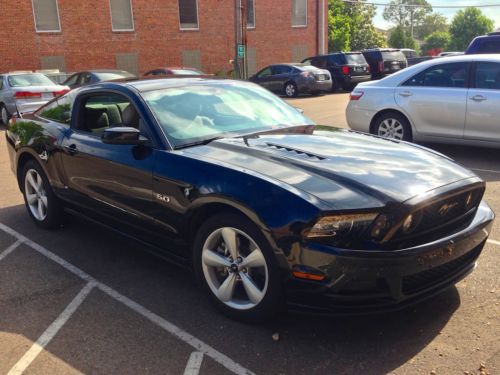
(23, 158)
(389, 110)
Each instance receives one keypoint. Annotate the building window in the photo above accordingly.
(250, 14)
(127, 62)
(121, 15)
(188, 14)
(299, 13)
(46, 15)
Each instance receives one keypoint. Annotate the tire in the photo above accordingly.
(392, 125)
(290, 90)
(4, 115)
(43, 206)
(252, 293)
(348, 87)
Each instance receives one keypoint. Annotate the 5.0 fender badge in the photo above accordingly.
(163, 198)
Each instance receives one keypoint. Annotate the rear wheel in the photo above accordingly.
(236, 266)
(4, 114)
(393, 125)
(42, 205)
(291, 90)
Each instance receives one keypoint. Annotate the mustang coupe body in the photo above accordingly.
(227, 178)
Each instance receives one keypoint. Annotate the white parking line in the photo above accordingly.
(194, 364)
(494, 242)
(10, 249)
(154, 318)
(50, 332)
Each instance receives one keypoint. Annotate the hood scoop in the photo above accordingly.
(289, 151)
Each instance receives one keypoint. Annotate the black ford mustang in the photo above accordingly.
(227, 177)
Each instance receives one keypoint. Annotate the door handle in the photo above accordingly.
(71, 149)
(405, 94)
(478, 98)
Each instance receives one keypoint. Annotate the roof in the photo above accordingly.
(105, 71)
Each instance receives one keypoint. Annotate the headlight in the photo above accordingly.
(339, 228)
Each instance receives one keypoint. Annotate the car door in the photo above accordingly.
(483, 103)
(435, 99)
(280, 75)
(107, 179)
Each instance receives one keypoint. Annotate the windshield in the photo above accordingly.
(108, 76)
(393, 55)
(23, 80)
(198, 112)
(186, 72)
(355, 58)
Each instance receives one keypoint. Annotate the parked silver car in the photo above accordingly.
(26, 92)
(452, 100)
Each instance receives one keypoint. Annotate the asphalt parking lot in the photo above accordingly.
(82, 300)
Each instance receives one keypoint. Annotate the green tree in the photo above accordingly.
(466, 25)
(437, 40)
(407, 13)
(339, 27)
(433, 22)
(400, 39)
(351, 26)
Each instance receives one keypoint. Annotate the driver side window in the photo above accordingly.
(101, 111)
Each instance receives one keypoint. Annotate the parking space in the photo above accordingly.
(82, 300)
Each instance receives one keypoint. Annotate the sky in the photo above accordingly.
(492, 12)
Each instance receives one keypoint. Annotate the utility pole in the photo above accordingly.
(240, 56)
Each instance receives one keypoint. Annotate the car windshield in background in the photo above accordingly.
(393, 55)
(355, 58)
(199, 112)
(108, 76)
(187, 72)
(24, 80)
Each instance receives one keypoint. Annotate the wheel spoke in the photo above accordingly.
(39, 182)
(254, 259)
(253, 292)
(31, 198)
(43, 198)
(225, 291)
(32, 181)
(229, 236)
(211, 258)
(41, 213)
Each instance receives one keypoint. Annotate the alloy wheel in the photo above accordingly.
(4, 115)
(235, 268)
(290, 90)
(35, 194)
(391, 128)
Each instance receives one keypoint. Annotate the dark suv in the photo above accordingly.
(384, 61)
(347, 68)
(485, 44)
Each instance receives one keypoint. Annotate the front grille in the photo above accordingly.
(420, 281)
(439, 218)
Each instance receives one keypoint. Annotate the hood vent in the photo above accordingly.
(295, 152)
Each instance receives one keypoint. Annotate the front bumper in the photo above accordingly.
(360, 281)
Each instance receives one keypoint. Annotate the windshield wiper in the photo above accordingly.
(197, 143)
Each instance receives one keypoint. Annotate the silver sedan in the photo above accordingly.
(450, 100)
(26, 92)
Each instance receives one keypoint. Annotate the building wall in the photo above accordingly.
(87, 40)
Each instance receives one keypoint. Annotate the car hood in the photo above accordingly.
(345, 169)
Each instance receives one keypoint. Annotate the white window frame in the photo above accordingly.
(58, 19)
(254, 17)
(131, 14)
(307, 15)
(197, 18)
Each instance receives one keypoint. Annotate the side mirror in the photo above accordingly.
(123, 135)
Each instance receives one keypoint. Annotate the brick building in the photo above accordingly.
(138, 35)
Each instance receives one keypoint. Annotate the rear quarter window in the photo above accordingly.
(489, 46)
(393, 55)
